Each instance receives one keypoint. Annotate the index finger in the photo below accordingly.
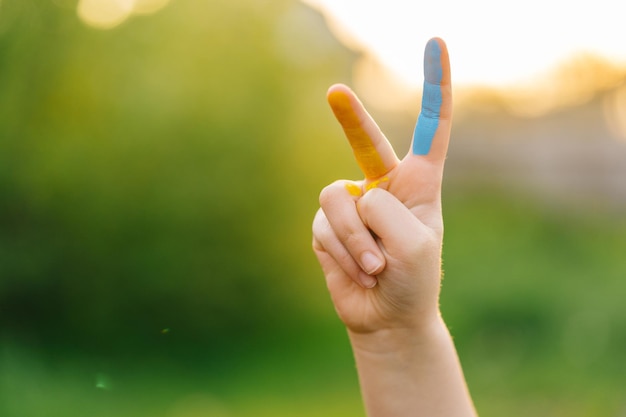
(372, 151)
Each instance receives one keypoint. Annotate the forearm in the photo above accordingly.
(411, 373)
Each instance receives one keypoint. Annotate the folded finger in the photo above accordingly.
(336, 261)
(340, 209)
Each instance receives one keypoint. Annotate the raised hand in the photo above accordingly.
(379, 240)
(379, 243)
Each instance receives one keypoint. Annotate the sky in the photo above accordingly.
(491, 42)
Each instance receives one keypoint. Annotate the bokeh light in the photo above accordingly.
(107, 14)
(104, 14)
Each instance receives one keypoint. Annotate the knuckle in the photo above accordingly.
(328, 194)
(352, 238)
(321, 227)
(348, 264)
(369, 199)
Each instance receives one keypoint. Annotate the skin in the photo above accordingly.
(380, 251)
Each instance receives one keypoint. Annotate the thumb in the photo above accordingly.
(401, 233)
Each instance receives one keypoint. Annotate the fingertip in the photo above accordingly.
(338, 87)
(338, 97)
(433, 71)
(367, 281)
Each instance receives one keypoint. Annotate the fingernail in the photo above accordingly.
(367, 281)
(433, 72)
(370, 263)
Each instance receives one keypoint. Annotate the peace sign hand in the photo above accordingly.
(379, 240)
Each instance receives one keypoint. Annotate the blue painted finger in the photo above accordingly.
(432, 99)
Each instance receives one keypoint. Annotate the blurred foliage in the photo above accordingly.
(162, 174)
(534, 298)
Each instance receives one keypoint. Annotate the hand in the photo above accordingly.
(379, 240)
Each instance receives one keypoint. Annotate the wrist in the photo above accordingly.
(426, 333)
(416, 369)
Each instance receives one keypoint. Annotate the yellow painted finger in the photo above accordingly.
(373, 153)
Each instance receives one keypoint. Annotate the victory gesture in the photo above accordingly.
(379, 240)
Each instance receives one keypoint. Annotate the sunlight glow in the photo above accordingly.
(107, 14)
(568, 84)
(491, 42)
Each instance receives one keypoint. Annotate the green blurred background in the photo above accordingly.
(157, 185)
